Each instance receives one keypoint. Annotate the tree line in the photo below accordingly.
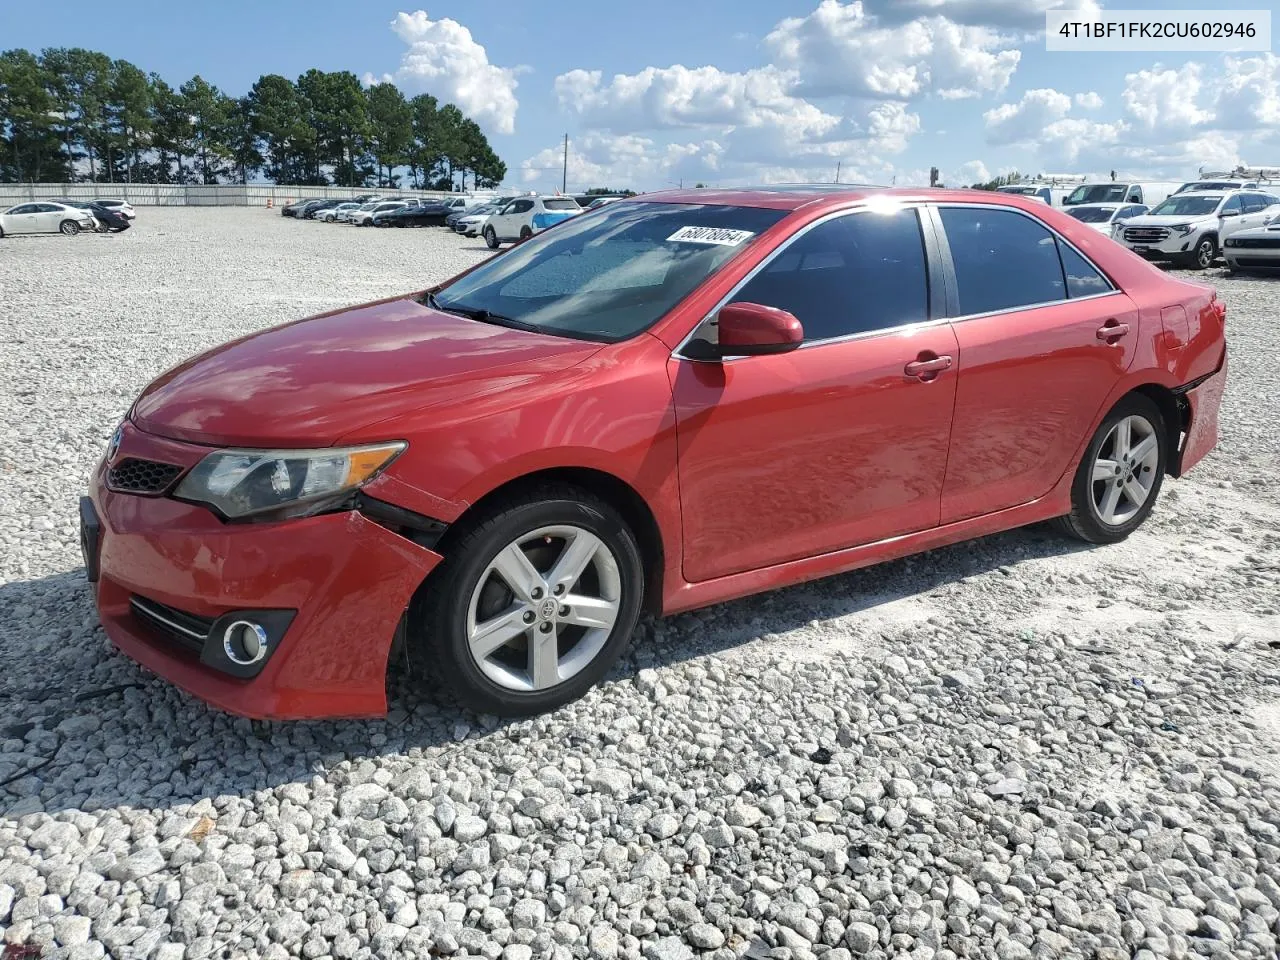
(73, 114)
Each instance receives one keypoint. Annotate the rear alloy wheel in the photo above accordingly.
(525, 233)
(532, 605)
(1119, 478)
(1205, 253)
(69, 228)
(490, 238)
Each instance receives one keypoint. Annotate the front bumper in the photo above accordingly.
(346, 579)
(1174, 246)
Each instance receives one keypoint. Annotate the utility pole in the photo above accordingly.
(837, 171)
(564, 175)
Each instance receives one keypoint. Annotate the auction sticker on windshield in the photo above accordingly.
(721, 236)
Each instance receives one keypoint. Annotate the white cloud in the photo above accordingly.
(1025, 121)
(679, 96)
(1088, 101)
(1165, 100)
(841, 49)
(1248, 94)
(607, 160)
(444, 60)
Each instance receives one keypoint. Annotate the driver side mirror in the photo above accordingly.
(753, 329)
(1228, 213)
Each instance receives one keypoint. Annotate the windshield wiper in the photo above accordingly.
(483, 316)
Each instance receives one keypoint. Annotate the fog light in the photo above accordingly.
(244, 643)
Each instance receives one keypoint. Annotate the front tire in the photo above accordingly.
(1205, 253)
(69, 228)
(490, 238)
(1119, 477)
(534, 602)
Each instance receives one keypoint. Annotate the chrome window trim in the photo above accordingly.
(919, 206)
(1058, 236)
(916, 205)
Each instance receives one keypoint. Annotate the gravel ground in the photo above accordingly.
(1011, 748)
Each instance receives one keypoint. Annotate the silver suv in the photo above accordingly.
(1188, 228)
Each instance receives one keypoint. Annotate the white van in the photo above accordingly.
(1047, 192)
(1149, 192)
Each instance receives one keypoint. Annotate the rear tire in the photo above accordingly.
(490, 238)
(468, 601)
(69, 228)
(525, 233)
(1120, 474)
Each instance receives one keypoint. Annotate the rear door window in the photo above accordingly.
(1005, 260)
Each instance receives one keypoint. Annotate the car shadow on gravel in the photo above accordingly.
(90, 729)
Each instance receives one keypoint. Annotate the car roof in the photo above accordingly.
(1108, 204)
(791, 196)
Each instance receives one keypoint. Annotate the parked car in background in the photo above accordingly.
(1051, 194)
(504, 471)
(525, 216)
(310, 210)
(330, 214)
(122, 207)
(420, 215)
(291, 210)
(469, 223)
(45, 216)
(1188, 228)
(1146, 192)
(598, 202)
(1256, 249)
(1105, 217)
(364, 216)
(344, 216)
(109, 220)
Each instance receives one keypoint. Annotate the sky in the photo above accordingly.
(724, 92)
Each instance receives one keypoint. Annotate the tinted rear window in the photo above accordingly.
(567, 203)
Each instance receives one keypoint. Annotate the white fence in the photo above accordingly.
(190, 195)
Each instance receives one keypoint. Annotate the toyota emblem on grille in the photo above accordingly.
(114, 446)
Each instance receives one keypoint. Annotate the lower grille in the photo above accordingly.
(185, 629)
(132, 475)
(1258, 243)
(1259, 261)
(1145, 234)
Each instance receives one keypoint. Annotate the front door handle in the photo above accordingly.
(1112, 331)
(927, 367)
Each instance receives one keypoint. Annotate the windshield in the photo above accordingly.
(611, 275)
(1021, 191)
(1093, 214)
(1186, 206)
(1098, 193)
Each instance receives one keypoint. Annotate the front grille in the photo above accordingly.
(185, 629)
(1267, 243)
(132, 475)
(1145, 234)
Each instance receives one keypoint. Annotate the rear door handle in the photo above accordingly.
(1112, 330)
(927, 369)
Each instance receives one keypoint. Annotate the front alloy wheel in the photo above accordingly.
(1206, 252)
(490, 238)
(543, 608)
(534, 602)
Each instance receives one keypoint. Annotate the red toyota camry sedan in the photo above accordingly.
(668, 402)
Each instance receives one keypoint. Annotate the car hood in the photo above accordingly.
(1148, 220)
(311, 382)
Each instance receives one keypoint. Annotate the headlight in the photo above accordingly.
(1229, 243)
(287, 483)
(1182, 228)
